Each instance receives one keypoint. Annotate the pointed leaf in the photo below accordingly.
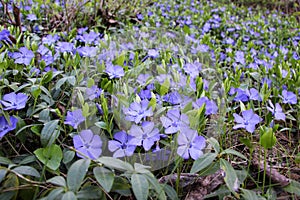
(231, 178)
(115, 163)
(77, 173)
(203, 162)
(57, 180)
(105, 177)
(26, 170)
(140, 186)
(69, 196)
(49, 133)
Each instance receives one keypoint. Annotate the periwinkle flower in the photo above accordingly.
(241, 95)
(50, 39)
(89, 38)
(120, 145)
(63, 47)
(114, 71)
(254, 94)
(142, 78)
(240, 57)
(74, 118)
(13, 101)
(145, 135)
(93, 92)
(173, 121)
(87, 51)
(153, 53)
(5, 127)
(190, 144)
(276, 111)
(24, 56)
(288, 97)
(31, 17)
(4, 35)
(87, 144)
(138, 111)
(174, 98)
(248, 121)
(210, 106)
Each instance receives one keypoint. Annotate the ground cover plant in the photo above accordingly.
(148, 100)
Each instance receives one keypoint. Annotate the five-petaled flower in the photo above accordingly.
(93, 92)
(114, 71)
(174, 121)
(190, 144)
(13, 101)
(87, 144)
(74, 118)
(210, 106)
(138, 111)
(248, 121)
(276, 111)
(120, 145)
(288, 97)
(5, 126)
(24, 56)
(145, 135)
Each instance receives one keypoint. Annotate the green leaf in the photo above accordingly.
(203, 162)
(5, 161)
(76, 174)
(50, 156)
(157, 186)
(164, 88)
(101, 125)
(90, 82)
(90, 192)
(49, 133)
(68, 156)
(250, 195)
(47, 77)
(140, 186)
(293, 188)
(57, 180)
(55, 194)
(69, 196)
(3, 172)
(142, 169)
(233, 152)
(214, 143)
(267, 139)
(105, 177)
(26, 170)
(172, 194)
(231, 178)
(115, 163)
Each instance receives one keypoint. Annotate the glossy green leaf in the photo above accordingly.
(140, 186)
(49, 133)
(70, 195)
(268, 138)
(76, 174)
(26, 170)
(203, 162)
(105, 177)
(57, 180)
(293, 187)
(250, 195)
(50, 156)
(233, 152)
(115, 163)
(230, 178)
(3, 172)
